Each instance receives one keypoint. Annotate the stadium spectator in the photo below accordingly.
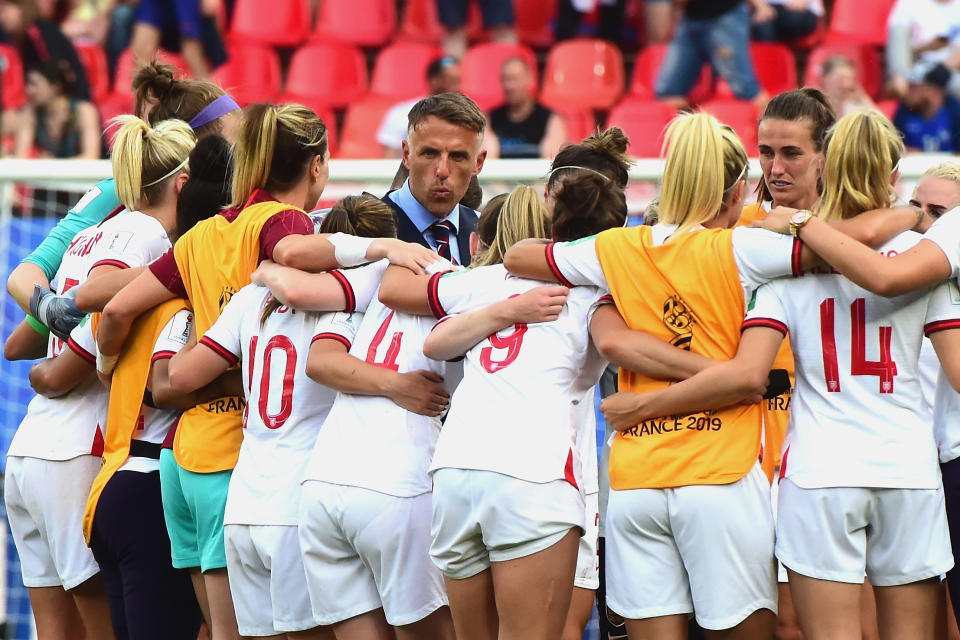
(658, 17)
(107, 23)
(443, 76)
(522, 127)
(497, 18)
(443, 154)
(791, 19)
(40, 40)
(922, 31)
(928, 117)
(714, 31)
(54, 124)
(571, 12)
(177, 26)
(838, 79)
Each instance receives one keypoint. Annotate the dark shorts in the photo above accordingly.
(496, 13)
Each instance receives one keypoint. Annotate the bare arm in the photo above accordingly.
(554, 137)
(192, 51)
(458, 334)
(418, 391)
(405, 291)
(60, 375)
(142, 294)
(317, 253)
(24, 135)
(301, 289)
(21, 280)
(528, 259)
(164, 396)
(193, 367)
(101, 286)
(722, 385)
(88, 122)
(641, 352)
(24, 343)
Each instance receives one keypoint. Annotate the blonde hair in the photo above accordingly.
(144, 158)
(862, 150)
(944, 170)
(522, 215)
(704, 161)
(275, 145)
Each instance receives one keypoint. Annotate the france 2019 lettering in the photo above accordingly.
(226, 405)
(661, 426)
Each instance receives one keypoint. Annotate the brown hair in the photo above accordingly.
(604, 151)
(182, 99)
(487, 225)
(454, 108)
(521, 215)
(586, 204)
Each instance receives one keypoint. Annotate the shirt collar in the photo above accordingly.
(419, 216)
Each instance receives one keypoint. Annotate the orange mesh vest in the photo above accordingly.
(776, 411)
(215, 260)
(686, 292)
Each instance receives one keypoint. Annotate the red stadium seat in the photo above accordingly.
(338, 21)
(860, 21)
(420, 22)
(251, 73)
(775, 66)
(888, 107)
(864, 58)
(585, 73)
(11, 73)
(328, 74)
(94, 62)
(481, 71)
(580, 123)
(647, 67)
(400, 71)
(359, 139)
(281, 23)
(742, 117)
(532, 21)
(126, 68)
(643, 121)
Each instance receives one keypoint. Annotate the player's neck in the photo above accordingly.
(164, 214)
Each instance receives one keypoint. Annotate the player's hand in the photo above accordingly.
(413, 256)
(622, 410)
(777, 220)
(262, 275)
(420, 392)
(59, 313)
(542, 304)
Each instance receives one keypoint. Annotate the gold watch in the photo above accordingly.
(798, 220)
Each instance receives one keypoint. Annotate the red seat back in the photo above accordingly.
(359, 139)
(338, 21)
(742, 117)
(11, 73)
(532, 21)
(775, 67)
(643, 122)
(580, 123)
(420, 22)
(282, 23)
(94, 62)
(330, 74)
(251, 73)
(861, 21)
(586, 73)
(481, 71)
(400, 71)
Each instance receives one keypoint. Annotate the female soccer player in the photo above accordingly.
(882, 510)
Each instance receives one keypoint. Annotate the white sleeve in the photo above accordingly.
(340, 326)
(174, 335)
(224, 336)
(459, 291)
(129, 249)
(943, 309)
(576, 263)
(83, 342)
(361, 284)
(945, 233)
(766, 309)
(393, 129)
(762, 256)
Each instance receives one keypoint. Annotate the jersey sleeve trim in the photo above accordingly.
(795, 258)
(80, 351)
(329, 335)
(165, 354)
(347, 291)
(110, 262)
(552, 263)
(940, 325)
(769, 323)
(605, 299)
(433, 295)
(220, 350)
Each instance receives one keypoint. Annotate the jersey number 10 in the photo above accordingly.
(885, 368)
(274, 344)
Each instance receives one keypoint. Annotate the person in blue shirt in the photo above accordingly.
(928, 116)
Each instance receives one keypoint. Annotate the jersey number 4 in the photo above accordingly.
(884, 368)
(274, 344)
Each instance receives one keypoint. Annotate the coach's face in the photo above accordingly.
(442, 157)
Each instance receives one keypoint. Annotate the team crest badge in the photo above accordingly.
(677, 318)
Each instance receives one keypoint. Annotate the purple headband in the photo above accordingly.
(219, 107)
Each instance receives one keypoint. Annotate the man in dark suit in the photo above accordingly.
(443, 152)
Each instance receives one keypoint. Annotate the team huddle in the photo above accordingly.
(377, 420)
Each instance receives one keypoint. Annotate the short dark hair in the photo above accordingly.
(454, 108)
(437, 65)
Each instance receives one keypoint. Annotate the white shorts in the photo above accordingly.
(843, 534)
(774, 496)
(364, 550)
(481, 517)
(267, 579)
(588, 558)
(46, 500)
(706, 549)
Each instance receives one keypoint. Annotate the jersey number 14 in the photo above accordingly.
(884, 368)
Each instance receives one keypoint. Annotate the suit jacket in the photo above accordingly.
(408, 232)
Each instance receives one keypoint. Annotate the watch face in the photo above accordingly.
(799, 217)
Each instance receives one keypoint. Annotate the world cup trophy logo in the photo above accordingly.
(225, 296)
(677, 318)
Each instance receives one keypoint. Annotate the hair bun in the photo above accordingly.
(156, 77)
(611, 141)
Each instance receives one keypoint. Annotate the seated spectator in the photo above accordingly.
(923, 31)
(107, 23)
(928, 116)
(443, 76)
(523, 127)
(497, 19)
(54, 124)
(571, 12)
(714, 31)
(40, 40)
(838, 79)
(177, 25)
(786, 20)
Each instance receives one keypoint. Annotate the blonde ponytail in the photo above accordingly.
(144, 158)
(522, 215)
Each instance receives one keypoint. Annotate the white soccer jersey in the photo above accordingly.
(945, 305)
(516, 411)
(760, 256)
(945, 233)
(368, 441)
(285, 408)
(857, 417)
(130, 239)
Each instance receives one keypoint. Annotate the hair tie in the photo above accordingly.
(216, 109)
(169, 173)
(554, 170)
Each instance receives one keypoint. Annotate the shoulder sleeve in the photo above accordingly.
(279, 226)
(339, 326)
(82, 341)
(943, 310)
(576, 263)
(224, 336)
(174, 335)
(132, 247)
(765, 309)
(360, 284)
(945, 233)
(165, 269)
(91, 209)
(459, 291)
(763, 256)
(393, 127)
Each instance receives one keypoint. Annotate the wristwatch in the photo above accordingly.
(799, 219)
